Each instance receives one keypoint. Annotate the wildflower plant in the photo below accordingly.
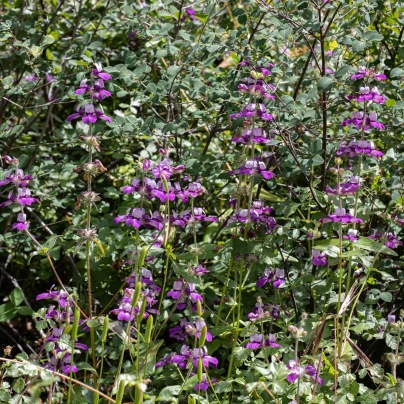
(201, 202)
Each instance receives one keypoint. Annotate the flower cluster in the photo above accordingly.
(262, 311)
(259, 341)
(390, 240)
(297, 371)
(62, 314)
(340, 216)
(88, 113)
(184, 293)
(127, 310)
(20, 194)
(272, 275)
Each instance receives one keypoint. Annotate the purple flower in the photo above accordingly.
(97, 91)
(165, 169)
(32, 77)
(58, 295)
(97, 72)
(184, 292)
(272, 275)
(256, 341)
(391, 318)
(364, 72)
(352, 235)
(199, 270)
(361, 120)
(189, 12)
(296, 371)
(186, 328)
(390, 239)
(137, 218)
(254, 167)
(203, 385)
(318, 258)
(349, 188)
(259, 311)
(22, 197)
(354, 148)
(22, 223)
(257, 87)
(340, 216)
(365, 94)
(259, 217)
(251, 136)
(257, 111)
(89, 114)
(259, 341)
(16, 177)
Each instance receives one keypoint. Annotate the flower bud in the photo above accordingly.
(200, 370)
(199, 308)
(105, 329)
(136, 295)
(149, 327)
(202, 338)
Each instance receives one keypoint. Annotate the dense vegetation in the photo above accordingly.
(201, 202)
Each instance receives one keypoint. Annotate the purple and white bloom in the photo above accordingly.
(252, 136)
(32, 77)
(272, 275)
(259, 311)
(184, 292)
(340, 216)
(364, 72)
(360, 120)
(254, 167)
(22, 197)
(390, 240)
(352, 235)
(257, 87)
(354, 148)
(199, 270)
(203, 385)
(97, 72)
(165, 169)
(348, 188)
(258, 111)
(22, 223)
(16, 177)
(256, 341)
(319, 258)
(259, 217)
(365, 94)
(391, 318)
(193, 190)
(58, 295)
(137, 218)
(296, 371)
(89, 114)
(97, 92)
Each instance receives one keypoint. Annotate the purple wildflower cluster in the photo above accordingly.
(260, 341)
(160, 188)
(88, 113)
(390, 240)
(275, 276)
(297, 371)
(126, 311)
(187, 356)
(61, 315)
(263, 311)
(19, 194)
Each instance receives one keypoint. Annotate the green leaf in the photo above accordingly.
(16, 297)
(87, 367)
(325, 83)
(368, 244)
(397, 72)
(168, 393)
(386, 296)
(373, 36)
(48, 39)
(18, 385)
(390, 103)
(358, 46)
(24, 310)
(173, 70)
